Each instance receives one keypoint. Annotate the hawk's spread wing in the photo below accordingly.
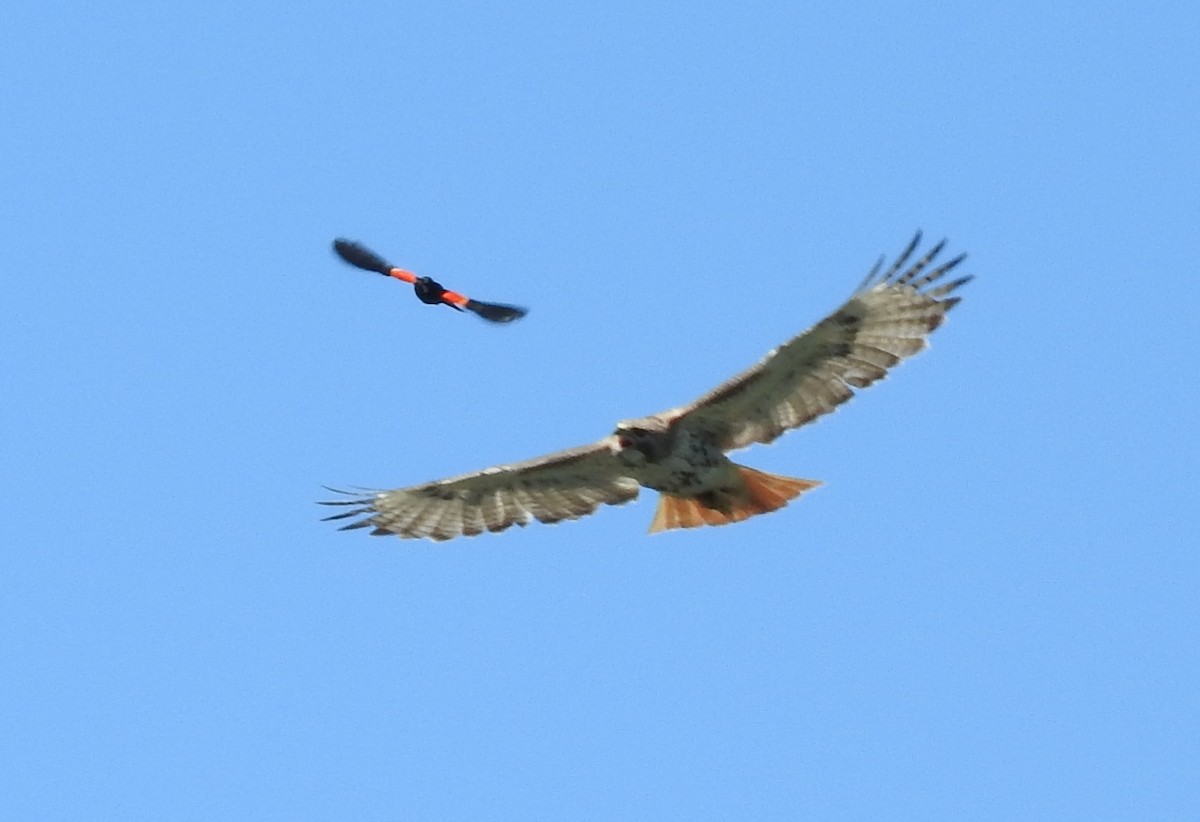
(565, 485)
(888, 318)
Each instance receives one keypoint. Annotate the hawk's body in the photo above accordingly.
(682, 453)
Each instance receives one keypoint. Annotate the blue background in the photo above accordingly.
(988, 612)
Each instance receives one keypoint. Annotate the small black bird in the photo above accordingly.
(428, 290)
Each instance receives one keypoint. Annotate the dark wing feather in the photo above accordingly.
(565, 485)
(887, 319)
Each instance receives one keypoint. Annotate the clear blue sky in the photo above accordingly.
(988, 612)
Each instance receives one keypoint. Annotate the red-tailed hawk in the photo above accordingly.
(681, 453)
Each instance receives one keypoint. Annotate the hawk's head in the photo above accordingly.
(643, 440)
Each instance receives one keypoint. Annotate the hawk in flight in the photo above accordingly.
(681, 453)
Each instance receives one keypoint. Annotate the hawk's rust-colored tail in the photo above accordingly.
(764, 493)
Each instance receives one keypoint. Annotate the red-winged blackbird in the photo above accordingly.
(428, 290)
